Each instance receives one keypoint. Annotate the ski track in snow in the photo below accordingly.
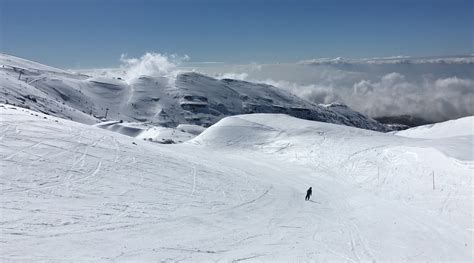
(101, 198)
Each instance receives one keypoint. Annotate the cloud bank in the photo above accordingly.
(467, 59)
(436, 88)
(432, 99)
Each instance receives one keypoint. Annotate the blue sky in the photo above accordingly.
(86, 33)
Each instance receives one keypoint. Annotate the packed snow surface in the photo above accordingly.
(73, 192)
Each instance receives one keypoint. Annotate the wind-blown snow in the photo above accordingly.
(236, 192)
(151, 64)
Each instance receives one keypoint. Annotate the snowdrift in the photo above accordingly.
(460, 127)
(283, 134)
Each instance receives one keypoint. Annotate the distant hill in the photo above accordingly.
(405, 120)
(191, 99)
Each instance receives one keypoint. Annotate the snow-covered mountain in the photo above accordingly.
(191, 98)
(235, 192)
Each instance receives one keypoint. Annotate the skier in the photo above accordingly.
(308, 194)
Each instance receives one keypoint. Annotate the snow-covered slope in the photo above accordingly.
(25, 65)
(191, 99)
(234, 193)
(459, 127)
(182, 133)
(35, 86)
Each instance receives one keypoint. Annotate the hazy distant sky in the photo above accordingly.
(86, 33)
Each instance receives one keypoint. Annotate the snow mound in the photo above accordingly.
(258, 131)
(460, 127)
(289, 137)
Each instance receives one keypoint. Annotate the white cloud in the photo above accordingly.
(467, 59)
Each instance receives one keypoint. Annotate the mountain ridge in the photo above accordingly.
(192, 98)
